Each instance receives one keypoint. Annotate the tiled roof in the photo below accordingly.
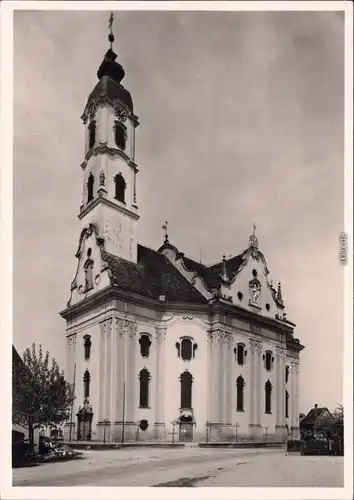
(317, 417)
(212, 274)
(152, 276)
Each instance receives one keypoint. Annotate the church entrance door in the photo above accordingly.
(186, 429)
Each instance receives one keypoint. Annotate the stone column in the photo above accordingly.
(101, 374)
(280, 392)
(292, 396)
(119, 355)
(296, 429)
(260, 389)
(130, 329)
(229, 382)
(252, 386)
(108, 370)
(159, 382)
(214, 378)
(221, 375)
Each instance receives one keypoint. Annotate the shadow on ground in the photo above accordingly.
(182, 482)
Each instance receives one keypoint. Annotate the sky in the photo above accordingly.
(241, 122)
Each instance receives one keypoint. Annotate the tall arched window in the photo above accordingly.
(90, 186)
(268, 397)
(240, 354)
(144, 378)
(286, 374)
(92, 134)
(119, 188)
(240, 384)
(286, 404)
(186, 390)
(120, 135)
(88, 275)
(145, 344)
(87, 346)
(87, 379)
(268, 361)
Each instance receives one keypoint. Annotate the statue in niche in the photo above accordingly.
(255, 290)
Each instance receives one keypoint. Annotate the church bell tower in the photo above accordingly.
(109, 169)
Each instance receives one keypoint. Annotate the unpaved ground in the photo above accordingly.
(186, 467)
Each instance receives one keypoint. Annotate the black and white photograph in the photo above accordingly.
(176, 248)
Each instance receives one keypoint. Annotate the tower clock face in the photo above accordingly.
(121, 114)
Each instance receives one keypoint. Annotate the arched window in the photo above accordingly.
(90, 185)
(87, 379)
(144, 378)
(119, 188)
(240, 354)
(120, 135)
(186, 390)
(186, 349)
(87, 346)
(286, 374)
(268, 397)
(286, 404)
(268, 361)
(88, 275)
(145, 344)
(240, 384)
(92, 134)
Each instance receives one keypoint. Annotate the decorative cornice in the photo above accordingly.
(103, 148)
(110, 203)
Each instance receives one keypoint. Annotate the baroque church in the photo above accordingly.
(161, 347)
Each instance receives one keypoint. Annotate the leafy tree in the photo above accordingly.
(40, 395)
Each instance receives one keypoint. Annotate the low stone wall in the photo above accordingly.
(243, 444)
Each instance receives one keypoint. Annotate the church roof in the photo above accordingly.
(212, 274)
(107, 87)
(152, 276)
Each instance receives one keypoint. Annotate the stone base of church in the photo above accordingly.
(281, 432)
(159, 431)
(220, 432)
(126, 432)
(256, 432)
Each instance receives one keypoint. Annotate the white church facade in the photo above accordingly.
(159, 346)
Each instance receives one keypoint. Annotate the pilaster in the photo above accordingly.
(130, 329)
(280, 425)
(221, 375)
(160, 336)
(229, 382)
(255, 395)
(214, 374)
(101, 372)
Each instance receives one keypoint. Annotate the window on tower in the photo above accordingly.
(92, 134)
(120, 134)
(120, 186)
(186, 390)
(90, 186)
(144, 379)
